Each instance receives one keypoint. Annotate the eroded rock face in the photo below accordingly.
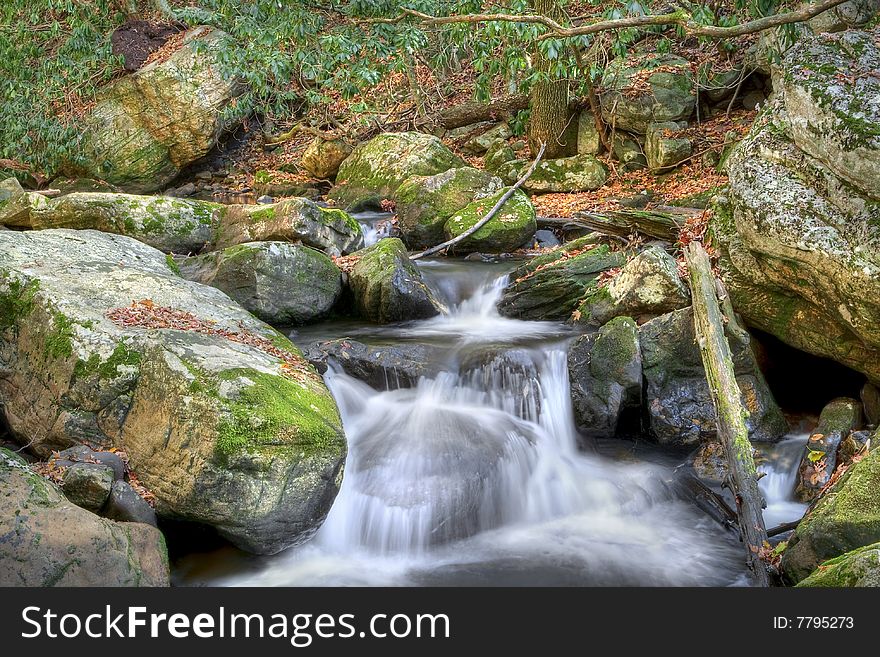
(292, 220)
(47, 541)
(677, 394)
(511, 227)
(146, 127)
(629, 104)
(387, 285)
(279, 282)
(799, 248)
(240, 434)
(425, 203)
(376, 168)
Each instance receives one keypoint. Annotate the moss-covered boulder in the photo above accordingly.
(376, 168)
(147, 126)
(499, 154)
(645, 287)
(221, 417)
(605, 372)
(279, 282)
(292, 220)
(677, 395)
(481, 143)
(578, 173)
(323, 157)
(799, 248)
(387, 285)
(169, 224)
(830, 96)
(17, 205)
(642, 89)
(550, 286)
(47, 541)
(845, 518)
(857, 568)
(425, 203)
(839, 417)
(666, 147)
(511, 227)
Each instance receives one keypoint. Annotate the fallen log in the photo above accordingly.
(784, 527)
(690, 488)
(729, 410)
(623, 223)
(468, 113)
(482, 222)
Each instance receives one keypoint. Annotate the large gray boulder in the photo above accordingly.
(677, 394)
(222, 419)
(387, 285)
(376, 168)
(578, 173)
(279, 282)
(47, 541)
(146, 127)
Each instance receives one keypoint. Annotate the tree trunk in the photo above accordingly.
(623, 223)
(729, 410)
(551, 121)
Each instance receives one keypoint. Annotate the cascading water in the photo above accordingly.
(780, 469)
(473, 476)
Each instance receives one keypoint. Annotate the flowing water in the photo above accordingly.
(474, 476)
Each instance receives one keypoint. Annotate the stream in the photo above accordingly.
(475, 476)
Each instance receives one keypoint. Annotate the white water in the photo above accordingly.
(474, 477)
(780, 469)
(374, 225)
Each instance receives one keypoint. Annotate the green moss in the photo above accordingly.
(58, 342)
(860, 567)
(172, 264)
(266, 214)
(122, 356)
(333, 215)
(276, 412)
(16, 300)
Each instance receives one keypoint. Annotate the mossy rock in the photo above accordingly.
(376, 168)
(511, 227)
(499, 154)
(627, 104)
(845, 518)
(665, 147)
(858, 568)
(279, 282)
(552, 285)
(292, 220)
(425, 203)
(222, 418)
(323, 157)
(388, 286)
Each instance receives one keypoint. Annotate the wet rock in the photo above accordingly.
(50, 542)
(376, 168)
(146, 127)
(550, 286)
(216, 428)
(125, 505)
(870, 396)
(605, 372)
(857, 568)
(279, 282)
(87, 484)
(383, 367)
(546, 239)
(511, 227)
(425, 203)
(629, 104)
(645, 287)
(292, 220)
(843, 519)
(323, 157)
(709, 462)
(679, 405)
(388, 287)
(665, 147)
(838, 419)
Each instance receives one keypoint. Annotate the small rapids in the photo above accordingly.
(474, 476)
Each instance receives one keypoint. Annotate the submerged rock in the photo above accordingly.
(845, 518)
(292, 220)
(645, 287)
(387, 285)
(47, 541)
(376, 168)
(629, 104)
(677, 395)
(511, 227)
(425, 203)
(605, 372)
(839, 417)
(146, 127)
(221, 418)
(550, 286)
(279, 282)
